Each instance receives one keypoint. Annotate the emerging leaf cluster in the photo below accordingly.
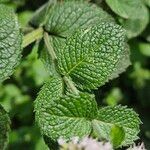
(10, 42)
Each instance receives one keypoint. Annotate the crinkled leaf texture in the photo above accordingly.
(4, 128)
(135, 22)
(64, 115)
(120, 116)
(10, 42)
(91, 56)
(65, 17)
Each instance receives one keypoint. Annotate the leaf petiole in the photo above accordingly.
(32, 37)
(50, 49)
(71, 85)
(48, 41)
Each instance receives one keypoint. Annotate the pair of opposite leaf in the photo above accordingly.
(71, 115)
(90, 48)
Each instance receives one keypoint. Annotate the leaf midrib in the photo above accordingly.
(75, 66)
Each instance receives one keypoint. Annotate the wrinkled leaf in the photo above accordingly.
(64, 18)
(64, 116)
(10, 42)
(91, 56)
(118, 115)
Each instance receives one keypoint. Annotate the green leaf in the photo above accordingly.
(117, 135)
(135, 22)
(135, 26)
(4, 128)
(64, 115)
(90, 56)
(47, 61)
(125, 8)
(120, 116)
(65, 17)
(10, 42)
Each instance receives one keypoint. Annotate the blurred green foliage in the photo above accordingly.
(18, 93)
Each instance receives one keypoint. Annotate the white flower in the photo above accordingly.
(84, 144)
(91, 144)
(138, 147)
(61, 141)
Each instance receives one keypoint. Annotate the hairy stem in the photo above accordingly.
(48, 41)
(71, 85)
(32, 37)
(49, 46)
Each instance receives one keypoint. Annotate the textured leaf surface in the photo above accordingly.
(47, 61)
(64, 18)
(135, 22)
(4, 128)
(125, 8)
(10, 42)
(90, 56)
(64, 116)
(120, 116)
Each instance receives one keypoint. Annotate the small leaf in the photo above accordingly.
(64, 115)
(65, 17)
(4, 128)
(117, 135)
(91, 56)
(120, 116)
(125, 8)
(10, 42)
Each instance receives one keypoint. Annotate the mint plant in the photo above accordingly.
(82, 48)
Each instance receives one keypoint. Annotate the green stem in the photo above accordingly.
(48, 41)
(71, 85)
(32, 37)
(50, 49)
